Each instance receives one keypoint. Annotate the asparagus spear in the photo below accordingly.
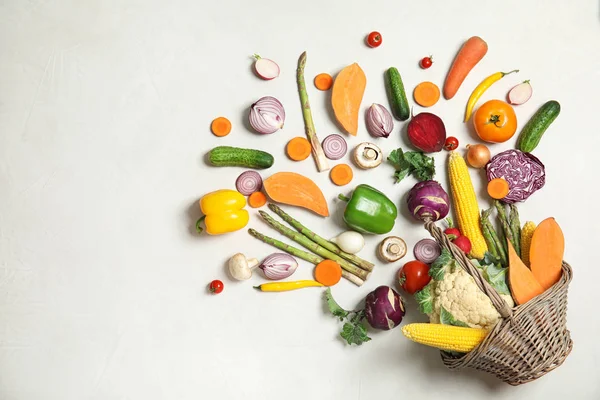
(311, 258)
(499, 244)
(515, 226)
(312, 246)
(320, 240)
(504, 222)
(487, 234)
(309, 125)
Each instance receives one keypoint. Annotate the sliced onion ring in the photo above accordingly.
(334, 147)
(248, 182)
(267, 115)
(427, 251)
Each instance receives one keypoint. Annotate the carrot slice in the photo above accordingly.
(426, 94)
(341, 174)
(298, 149)
(220, 126)
(323, 81)
(328, 272)
(257, 199)
(498, 188)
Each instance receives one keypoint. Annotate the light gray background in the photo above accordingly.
(104, 115)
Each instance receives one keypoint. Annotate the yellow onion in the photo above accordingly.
(478, 155)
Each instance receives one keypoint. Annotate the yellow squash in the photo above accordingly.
(223, 212)
(481, 88)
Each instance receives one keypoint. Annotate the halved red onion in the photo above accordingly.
(334, 147)
(267, 115)
(427, 251)
(248, 182)
(379, 121)
(278, 266)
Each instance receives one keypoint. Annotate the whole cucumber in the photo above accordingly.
(534, 129)
(226, 156)
(396, 94)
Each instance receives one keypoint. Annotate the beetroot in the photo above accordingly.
(426, 131)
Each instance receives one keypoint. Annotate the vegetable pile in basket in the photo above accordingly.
(518, 261)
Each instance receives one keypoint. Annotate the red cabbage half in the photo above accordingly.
(524, 173)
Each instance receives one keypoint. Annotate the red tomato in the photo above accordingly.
(426, 62)
(216, 286)
(451, 143)
(413, 276)
(374, 39)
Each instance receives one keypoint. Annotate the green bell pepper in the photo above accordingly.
(369, 211)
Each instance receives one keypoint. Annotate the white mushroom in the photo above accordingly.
(240, 267)
(391, 249)
(367, 155)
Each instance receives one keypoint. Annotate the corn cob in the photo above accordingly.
(445, 337)
(465, 204)
(526, 235)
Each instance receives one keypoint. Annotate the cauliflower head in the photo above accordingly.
(454, 290)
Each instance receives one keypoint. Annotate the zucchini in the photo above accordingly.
(534, 129)
(226, 156)
(396, 94)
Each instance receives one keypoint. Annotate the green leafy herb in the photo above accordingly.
(424, 299)
(413, 163)
(447, 318)
(353, 331)
(443, 263)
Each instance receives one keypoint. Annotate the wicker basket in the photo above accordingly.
(529, 341)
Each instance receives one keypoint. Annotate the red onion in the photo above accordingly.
(267, 115)
(524, 173)
(427, 250)
(278, 266)
(379, 121)
(248, 182)
(334, 147)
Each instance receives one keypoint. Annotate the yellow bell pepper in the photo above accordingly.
(223, 212)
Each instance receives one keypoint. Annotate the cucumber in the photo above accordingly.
(226, 156)
(534, 129)
(396, 94)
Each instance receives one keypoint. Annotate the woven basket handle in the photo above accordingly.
(503, 309)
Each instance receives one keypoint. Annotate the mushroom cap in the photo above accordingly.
(392, 248)
(367, 155)
(239, 267)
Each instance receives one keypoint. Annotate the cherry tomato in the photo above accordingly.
(426, 62)
(413, 276)
(374, 39)
(451, 143)
(452, 231)
(463, 243)
(215, 286)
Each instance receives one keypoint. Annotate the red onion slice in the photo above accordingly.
(248, 182)
(334, 147)
(427, 251)
(267, 115)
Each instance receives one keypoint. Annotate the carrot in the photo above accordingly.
(426, 94)
(298, 149)
(523, 284)
(296, 190)
(348, 90)
(498, 188)
(341, 174)
(257, 199)
(546, 252)
(220, 126)
(323, 81)
(328, 272)
(471, 52)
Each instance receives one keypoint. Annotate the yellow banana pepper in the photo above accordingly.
(223, 212)
(481, 88)
(286, 286)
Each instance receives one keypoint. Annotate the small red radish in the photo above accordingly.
(463, 243)
(265, 68)
(520, 94)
